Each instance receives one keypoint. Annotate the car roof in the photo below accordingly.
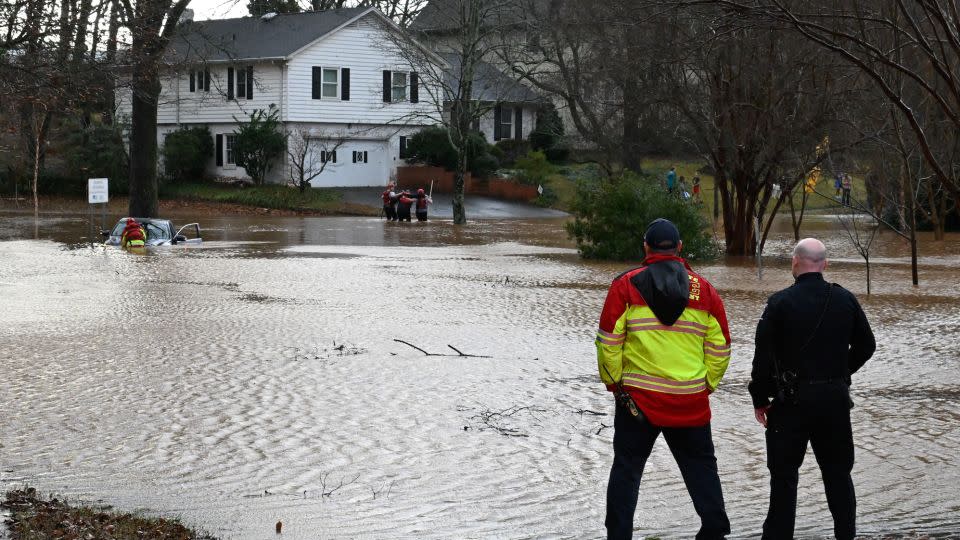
(146, 220)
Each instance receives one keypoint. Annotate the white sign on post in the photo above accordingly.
(97, 190)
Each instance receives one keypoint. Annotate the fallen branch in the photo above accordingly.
(458, 355)
(582, 412)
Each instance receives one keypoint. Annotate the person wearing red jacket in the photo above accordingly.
(389, 203)
(422, 201)
(403, 209)
(662, 347)
(132, 235)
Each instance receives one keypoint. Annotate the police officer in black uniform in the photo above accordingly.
(812, 336)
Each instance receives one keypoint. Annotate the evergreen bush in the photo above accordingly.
(611, 216)
(260, 141)
(533, 169)
(547, 136)
(186, 152)
(432, 146)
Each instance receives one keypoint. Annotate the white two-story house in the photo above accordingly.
(336, 76)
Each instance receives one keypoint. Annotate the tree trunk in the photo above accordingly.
(910, 221)
(459, 212)
(143, 141)
(866, 259)
(631, 126)
(738, 223)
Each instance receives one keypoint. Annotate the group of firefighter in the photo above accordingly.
(397, 205)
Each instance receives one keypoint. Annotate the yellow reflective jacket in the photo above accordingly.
(663, 333)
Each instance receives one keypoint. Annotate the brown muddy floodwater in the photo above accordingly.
(210, 383)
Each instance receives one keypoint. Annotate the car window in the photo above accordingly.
(118, 229)
(156, 232)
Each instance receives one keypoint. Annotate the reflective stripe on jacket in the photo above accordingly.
(669, 370)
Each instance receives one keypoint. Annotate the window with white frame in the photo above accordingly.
(231, 154)
(399, 86)
(331, 83)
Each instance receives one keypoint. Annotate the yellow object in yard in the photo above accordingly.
(811, 184)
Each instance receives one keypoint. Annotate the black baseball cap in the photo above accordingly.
(662, 234)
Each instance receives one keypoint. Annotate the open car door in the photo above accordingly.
(188, 234)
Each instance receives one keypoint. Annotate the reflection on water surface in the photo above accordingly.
(256, 378)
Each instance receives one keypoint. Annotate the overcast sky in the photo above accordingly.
(218, 9)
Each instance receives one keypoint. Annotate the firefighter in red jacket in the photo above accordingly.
(421, 205)
(133, 235)
(403, 208)
(390, 203)
(663, 339)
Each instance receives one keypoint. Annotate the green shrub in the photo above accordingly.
(432, 146)
(611, 217)
(534, 168)
(547, 136)
(186, 152)
(513, 149)
(260, 141)
(97, 151)
(548, 198)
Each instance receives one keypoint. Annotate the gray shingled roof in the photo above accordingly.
(443, 15)
(489, 83)
(253, 37)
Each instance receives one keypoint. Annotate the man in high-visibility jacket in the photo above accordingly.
(664, 340)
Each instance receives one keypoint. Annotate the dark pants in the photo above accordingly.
(846, 197)
(421, 215)
(823, 418)
(692, 448)
(403, 212)
(390, 211)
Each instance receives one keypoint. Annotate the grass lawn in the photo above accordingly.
(313, 200)
(564, 184)
(35, 517)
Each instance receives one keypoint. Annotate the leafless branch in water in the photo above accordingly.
(458, 355)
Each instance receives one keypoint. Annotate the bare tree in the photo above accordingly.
(861, 229)
(151, 24)
(459, 79)
(910, 50)
(308, 152)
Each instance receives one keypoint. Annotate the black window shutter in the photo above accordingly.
(317, 78)
(403, 147)
(249, 82)
(333, 155)
(345, 84)
(229, 83)
(497, 111)
(323, 156)
(364, 156)
(414, 87)
(386, 86)
(219, 150)
(354, 154)
(518, 120)
(241, 83)
(193, 87)
(206, 80)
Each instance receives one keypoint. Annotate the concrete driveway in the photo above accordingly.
(477, 207)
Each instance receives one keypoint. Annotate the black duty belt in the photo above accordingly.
(831, 380)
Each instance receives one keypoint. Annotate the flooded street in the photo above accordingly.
(258, 378)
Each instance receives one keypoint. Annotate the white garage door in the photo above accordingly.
(355, 163)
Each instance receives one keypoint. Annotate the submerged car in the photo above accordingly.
(159, 232)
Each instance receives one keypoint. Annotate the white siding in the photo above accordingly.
(178, 105)
(207, 107)
(366, 51)
(529, 123)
